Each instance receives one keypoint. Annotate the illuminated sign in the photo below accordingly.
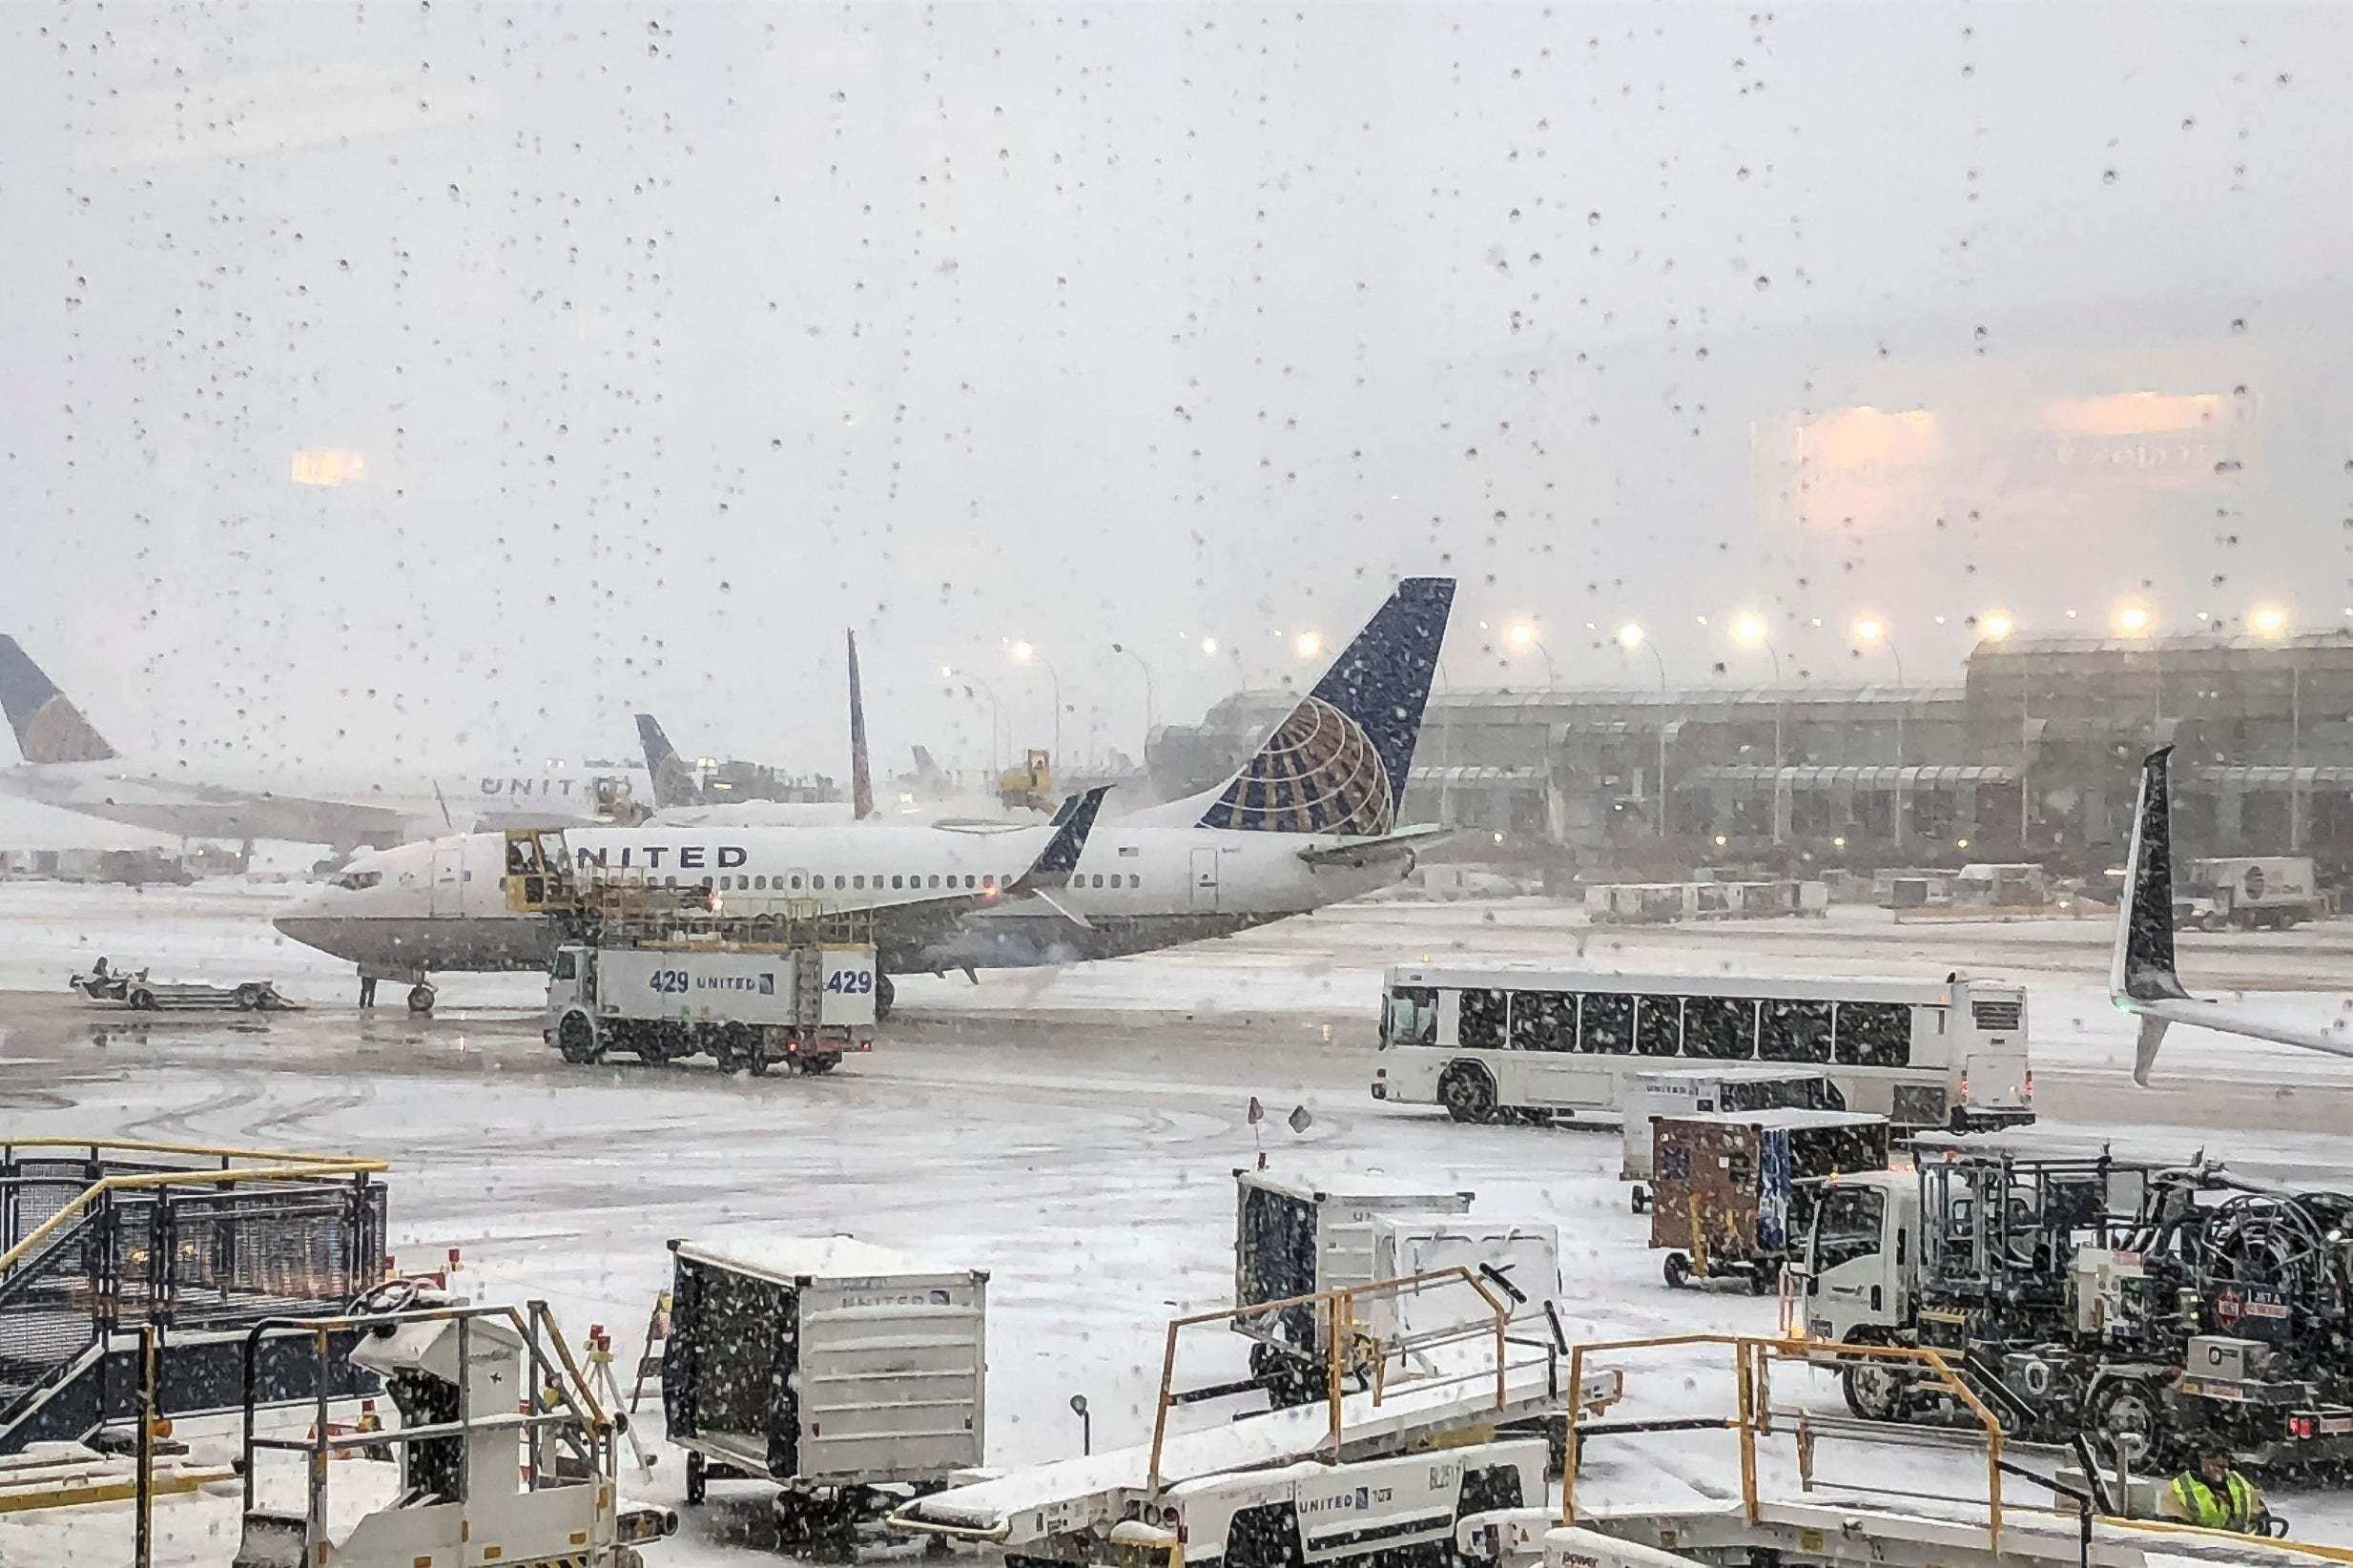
(329, 465)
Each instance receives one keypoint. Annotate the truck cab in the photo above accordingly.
(1862, 1261)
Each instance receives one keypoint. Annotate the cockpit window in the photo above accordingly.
(355, 880)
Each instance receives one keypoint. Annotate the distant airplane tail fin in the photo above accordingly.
(861, 777)
(926, 770)
(1337, 764)
(674, 781)
(48, 728)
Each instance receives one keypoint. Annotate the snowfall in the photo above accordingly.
(1075, 1132)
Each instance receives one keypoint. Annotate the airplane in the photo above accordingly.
(1309, 819)
(68, 764)
(2141, 978)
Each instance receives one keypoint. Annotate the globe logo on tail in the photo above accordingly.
(1318, 773)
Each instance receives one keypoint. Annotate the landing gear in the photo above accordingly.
(421, 998)
(885, 994)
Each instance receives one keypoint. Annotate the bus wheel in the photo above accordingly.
(1468, 1094)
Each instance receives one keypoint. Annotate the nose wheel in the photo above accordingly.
(421, 998)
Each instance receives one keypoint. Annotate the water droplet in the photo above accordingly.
(1762, 283)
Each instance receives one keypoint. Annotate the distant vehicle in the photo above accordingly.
(1645, 1097)
(134, 990)
(1735, 1189)
(1536, 1045)
(1029, 786)
(798, 1000)
(2006, 884)
(2251, 892)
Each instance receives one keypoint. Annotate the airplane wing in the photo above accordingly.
(1367, 852)
(2141, 978)
(913, 921)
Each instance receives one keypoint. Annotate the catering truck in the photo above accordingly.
(801, 1001)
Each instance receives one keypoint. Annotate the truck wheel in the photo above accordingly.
(576, 1039)
(248, 997)
(1678, 1271)
(820, 1064)
(1763, 1278)
(2128, 1413)
(1875, 1390)
(1468, 1095)
(421, 999)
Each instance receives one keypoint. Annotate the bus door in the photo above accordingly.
(1547, 1068)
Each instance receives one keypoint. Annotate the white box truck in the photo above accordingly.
(850, 1375)
(748, 1005)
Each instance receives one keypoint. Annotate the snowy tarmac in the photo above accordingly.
(1072, 1131)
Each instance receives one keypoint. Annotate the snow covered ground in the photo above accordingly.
(1073, 1131)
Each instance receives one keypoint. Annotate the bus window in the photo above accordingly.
(1875, 1034)
(1412, 1017)
(1719, 1028)
(1795, 1031)
(1847, 1226)
(1608, 1024)
(1478, 1025)
(1543, 1021)
(1659, 1029)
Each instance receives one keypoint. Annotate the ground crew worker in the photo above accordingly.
(2213, 1496)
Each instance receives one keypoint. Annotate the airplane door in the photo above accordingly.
(449, 883)
(1204, 880)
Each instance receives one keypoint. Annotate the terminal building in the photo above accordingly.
(2033, 756)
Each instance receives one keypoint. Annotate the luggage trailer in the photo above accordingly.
(1110, 1506)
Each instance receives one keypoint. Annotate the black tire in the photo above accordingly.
(820, 1064)
(696, 1481)
(1875, 1390)
(142, 1001)
(2127, 1407)
(755, 1062)
(421, 999)
(1678, 1271)
(1763, 1278)
(248, 997)
(576, 1038)
(886, 996)
(1468, 1094)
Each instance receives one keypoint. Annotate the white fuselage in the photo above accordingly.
(304, 808)
(438, 906)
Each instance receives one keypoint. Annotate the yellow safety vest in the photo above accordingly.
(2204, 1508)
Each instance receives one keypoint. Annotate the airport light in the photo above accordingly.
(1630, 637)
(1995, 626)
(1524, 637)
(1208, 647)
(1309, 644)
(1025, 652)
(2269, 621)
(1749, 631)
(1839, 842)
(2132, 620)
(1871, 629)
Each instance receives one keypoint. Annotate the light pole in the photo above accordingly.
(1749, 631)
(947, 671)
(1630, 636)
(1026, 653)
(1997, 627)
(1869, 630)
(1121, 647)
(1524, 637)
(2133, 620)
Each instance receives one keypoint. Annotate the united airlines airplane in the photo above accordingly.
(1309, 819)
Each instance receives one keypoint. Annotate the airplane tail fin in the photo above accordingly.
(862, 777)
(674, 781)
(48, 728)
(926, 770)
(1339, 763)
(2141, 966)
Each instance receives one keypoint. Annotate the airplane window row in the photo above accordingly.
(792, 882)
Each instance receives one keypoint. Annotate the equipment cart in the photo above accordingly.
(1732, 1190)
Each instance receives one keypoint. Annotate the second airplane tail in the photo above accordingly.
(48, 728)
(674, 781)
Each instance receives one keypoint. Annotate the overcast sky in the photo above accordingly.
(668, 340)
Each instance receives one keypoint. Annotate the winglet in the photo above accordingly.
(2141, 966)
(48, 728)
(861, 777)
(674, 781)
(1076, 823)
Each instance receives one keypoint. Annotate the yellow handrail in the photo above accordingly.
(345, 1167)
(145, 1147)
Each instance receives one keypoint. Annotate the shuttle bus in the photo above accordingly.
(1494, 1045)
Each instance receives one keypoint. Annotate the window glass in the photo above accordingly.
(1134, 881)
(899, 881)
(1795, 1031)
(1848, 1224)
(567, 965)
(988, 881)
(1412, 1017)
(1478, 1024)
(1875, 1034)
(1659, 1025)
(1606, 1023)
(934, 878)
(1719, 1028)
(1543, 1021)
(857, 881)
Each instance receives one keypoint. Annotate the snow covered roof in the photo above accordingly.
(1351, 1187)
(790, 1258)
